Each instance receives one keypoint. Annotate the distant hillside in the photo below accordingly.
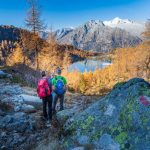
(11, 50)
(96, 36)
(9, 33)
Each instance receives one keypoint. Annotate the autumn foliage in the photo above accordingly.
(127, 63)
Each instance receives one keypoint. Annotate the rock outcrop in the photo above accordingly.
(120, 120)
(21, 125)
(4, 75)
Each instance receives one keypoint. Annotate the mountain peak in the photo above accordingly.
(92, 23)
(118, 20)
(135, 28)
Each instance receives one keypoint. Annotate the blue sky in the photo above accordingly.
(71, 13)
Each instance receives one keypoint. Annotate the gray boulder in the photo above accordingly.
(30, 99)
(121, 118)
(28, 108)
(19, 122)
(64, 115)
(10, 89)
(5, 75)
(25, 108)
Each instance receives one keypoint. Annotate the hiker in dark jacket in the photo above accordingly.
(59, 87)
(50, 83)
(46, 97)
(51, 86)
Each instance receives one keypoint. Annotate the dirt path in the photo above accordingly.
(71, 99)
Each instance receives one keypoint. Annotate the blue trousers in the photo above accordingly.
(55, 100)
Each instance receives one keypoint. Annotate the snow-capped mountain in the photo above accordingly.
(96, 36)
(135, 28)
(117, 21)
(58, 33)
(62, 32)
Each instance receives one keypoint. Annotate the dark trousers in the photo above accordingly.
(55, 98)
(47, 102)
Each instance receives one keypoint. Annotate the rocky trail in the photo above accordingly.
(118, 121)
(21, 122)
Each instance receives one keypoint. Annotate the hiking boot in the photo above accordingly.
(49, 123)
(44, 119)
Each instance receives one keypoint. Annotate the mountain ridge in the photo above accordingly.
(115, 22)
(96, 36)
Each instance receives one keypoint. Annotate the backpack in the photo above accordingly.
(60, 87)
(43, 89)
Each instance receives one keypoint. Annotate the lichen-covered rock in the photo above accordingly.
(64, 115)
(107, 143)
(83, 140)
(120, 117)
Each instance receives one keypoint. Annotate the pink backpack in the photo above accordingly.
(43, 89)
